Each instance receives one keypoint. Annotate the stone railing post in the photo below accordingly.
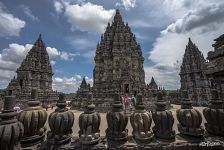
(89, 123)
(163, 120)
(11, 130)
(189, 119)
(141, 122)
(33, 119)
(117, 122)
(214, 115)
(60, 122)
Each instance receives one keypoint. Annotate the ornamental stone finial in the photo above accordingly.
(163, 120)
(33, 119)
(10, 128)
(117, 121)
(89, 123)
(60, 122)
(189, 118)
(141, 122)
(214, 115)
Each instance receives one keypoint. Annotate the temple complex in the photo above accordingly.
(35, 72)
(192, 75)
(118, 67)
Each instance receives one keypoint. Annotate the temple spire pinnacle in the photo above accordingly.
(117, 16)
(39, 42)
(40, 38)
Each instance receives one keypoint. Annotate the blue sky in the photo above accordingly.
(72, 28)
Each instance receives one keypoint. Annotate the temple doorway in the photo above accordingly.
(126, 88)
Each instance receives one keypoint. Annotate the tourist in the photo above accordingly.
(133, 100)
(125, 101)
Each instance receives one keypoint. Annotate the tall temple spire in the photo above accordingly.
(35, 72)
(115, 56)
(192, 74)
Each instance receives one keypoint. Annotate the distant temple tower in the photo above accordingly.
(192, 76)
(83, 90)
(153, 85)
(119, 61)
(35, 72)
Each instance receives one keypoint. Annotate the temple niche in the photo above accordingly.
(35, 72)
(118, 67)
(192, 75)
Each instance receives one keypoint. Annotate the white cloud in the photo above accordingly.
(58, 7)
(29, 13)
(53, 62)
(209, 15)
(15, 52)
(53, 52)
(67, 56)
(165, 76)
(69, 84)
(85, 16)
(128, 4)
(203, 25)
(9, 25)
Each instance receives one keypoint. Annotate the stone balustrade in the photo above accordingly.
(152, 130)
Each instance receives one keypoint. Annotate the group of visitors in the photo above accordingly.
(128, 102)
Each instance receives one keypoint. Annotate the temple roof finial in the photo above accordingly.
(117, 17)
(190, 42)
(39, 36)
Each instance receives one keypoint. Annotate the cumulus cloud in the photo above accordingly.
(128, 4)
(202, 24)
(15, 52)
(53, 52)
(27, 11)
(69, 84)
(203, 17)
(85, 16)
(9, 24)
(58, 7)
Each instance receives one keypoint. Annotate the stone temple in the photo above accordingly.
(118, 66)
(192, 74)
(215, 68)
(119, 61)
(35, 72)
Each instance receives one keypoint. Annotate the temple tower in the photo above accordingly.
(192, 75)
(119, 61)
(35, 72)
